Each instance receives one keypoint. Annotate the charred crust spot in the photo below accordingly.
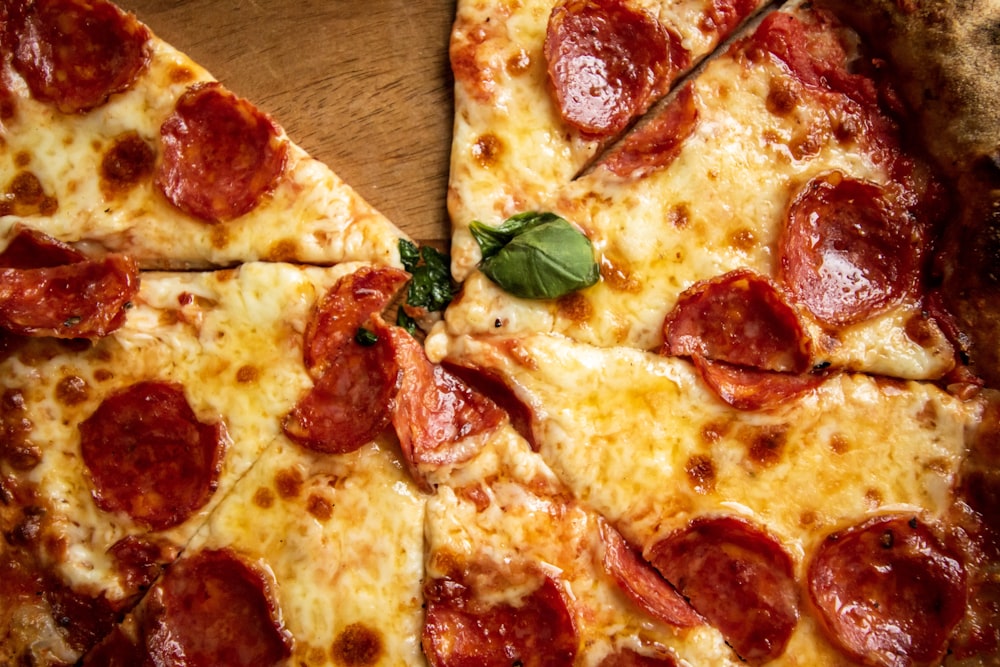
(126, 163)
(357, 645)
(700, 471)
(487, 150)
(263, 497)
(72, 390)
(288, 482)
(247, 374)
(575, 307)
(319, 507)
(766, 445)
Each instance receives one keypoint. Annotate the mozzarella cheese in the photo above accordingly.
(310, 216)
(636, 437)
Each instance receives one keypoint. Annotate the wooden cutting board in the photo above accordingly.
(364, 86)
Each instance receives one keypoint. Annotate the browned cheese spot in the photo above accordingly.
(839, 443)
(766, 445)
(319, 506)
(519, 63)
(700, 471)
(16, 446)
(575, 307)
(180, 74)
(220, 236)
(487, 150)
(288, 482)
(874, 498)
(128, 161)
(103, 375)
(285, 250)
(781, 97)
(475, 494)
(247, 374)
(358, 645)
(618, 277)
(22, 159)
(72, 390)
(743, 239)
(679, 215)
(263, 497)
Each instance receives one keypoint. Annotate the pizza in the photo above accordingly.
(710, 377)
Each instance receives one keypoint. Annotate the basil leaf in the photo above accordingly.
(365, 337)
(407, 322)
(409, 255)
(492, 239)
(430, 284)
(545, 258)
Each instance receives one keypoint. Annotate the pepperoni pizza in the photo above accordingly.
(718, 385)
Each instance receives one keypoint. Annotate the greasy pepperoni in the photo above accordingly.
(149, 456)
(643, 584)
(116, 650)
(436, 415)
(845, 253)
(751, 389)
(724, 15)
(738, 577)
(492, 385)
(658, 142)
(140, 559)
(215, 609)
(349, 405)
(345, 308)
(740, 318)
(462, 630)
(887, 591)
(76, 53)
(221, 154)
(87, 298)
(31, 249)
(607, 61)
(629, 658)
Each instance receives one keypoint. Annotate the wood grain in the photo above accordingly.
(363, 86)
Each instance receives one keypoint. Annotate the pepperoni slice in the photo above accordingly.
(845, 253)
(349, 405)
(643, 584)
(149, 456)
(657, 143)
(221, 154)
(214, 608)
(345, 308)
(31, 249)
(86, 298)
(888, 592)
(738, 577)
(76, 53)
(751, 389)
(436, 415)
(740, 318)
(462, 629)
(629, 658)
(607, 61)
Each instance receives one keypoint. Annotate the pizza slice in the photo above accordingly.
(114, 139)
(542, 86)
(841, 527)
(117, 448)
(777, 191)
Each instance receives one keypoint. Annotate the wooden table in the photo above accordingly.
(363, 85)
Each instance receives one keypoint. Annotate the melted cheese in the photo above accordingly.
(311, 215)
(510, 147)
(232, 339)
(720, 206)
(635, 436)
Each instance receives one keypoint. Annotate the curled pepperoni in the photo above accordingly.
(629, 658)
(149, 456)
(740, 318)
(658, 142)
(83, 299)
(31, 249)
(643, 584)
(607, 61)
(751, 389)
(436, 415)
(349, 405)
(462, 629)
(888, 592)
(213, 608)
(76, 53)
(736, 576)
(221, 154)
(345, 308)
(845, 253)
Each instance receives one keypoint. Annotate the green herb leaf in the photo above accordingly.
(407, 322)
(409, 255)
(536, 256)
(365, 338)
(431, 286)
